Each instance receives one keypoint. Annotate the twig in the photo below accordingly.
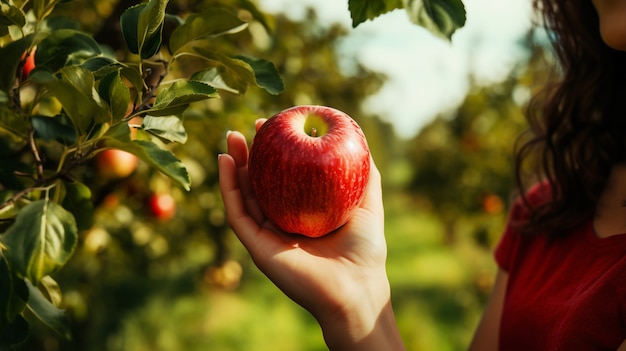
(35, 151)
(151, 88)
(63, 174)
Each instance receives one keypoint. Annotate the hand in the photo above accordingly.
(340, 278)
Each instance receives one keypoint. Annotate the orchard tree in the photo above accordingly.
(66, 98)
(463, 161)
(76, 103)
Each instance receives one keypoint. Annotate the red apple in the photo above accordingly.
(29, 63)
(116, 164)
(162, 206)
(493, 204)
(308, 167)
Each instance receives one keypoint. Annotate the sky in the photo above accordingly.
(426, 75)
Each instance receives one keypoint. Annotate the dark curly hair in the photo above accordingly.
(577, 123)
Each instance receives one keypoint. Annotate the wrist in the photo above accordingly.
(364, 322)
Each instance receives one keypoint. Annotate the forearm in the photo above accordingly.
(369, 326)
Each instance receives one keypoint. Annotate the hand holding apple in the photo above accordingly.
(309, 166)
(340, 278)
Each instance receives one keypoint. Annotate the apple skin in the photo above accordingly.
(29, 63)
(162, 206)
(305, 184)
(492, 204)
(116, 164)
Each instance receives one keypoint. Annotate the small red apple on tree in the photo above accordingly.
(116, 164)
(493, 204)
(29, 63)
(162, 206)
(309, 166)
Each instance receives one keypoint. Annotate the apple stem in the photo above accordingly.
(313, 132)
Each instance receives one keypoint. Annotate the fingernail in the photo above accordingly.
(228, 132)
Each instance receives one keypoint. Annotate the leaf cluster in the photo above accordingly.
(441, 17)
(81, 99)
(78, 101)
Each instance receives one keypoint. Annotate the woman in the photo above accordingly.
(561, 282)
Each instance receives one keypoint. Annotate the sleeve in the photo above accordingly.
(507, 246)
(503, 253)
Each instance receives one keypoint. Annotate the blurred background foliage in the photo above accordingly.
(137, 282)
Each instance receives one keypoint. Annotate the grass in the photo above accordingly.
(438, 292)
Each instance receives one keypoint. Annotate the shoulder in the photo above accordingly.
(537, 195)
(511, 240)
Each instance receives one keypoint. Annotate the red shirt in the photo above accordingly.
(563, 294)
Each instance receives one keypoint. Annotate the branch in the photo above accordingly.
(64, 174)
(153, 77)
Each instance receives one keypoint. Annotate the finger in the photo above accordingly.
(259, 238)
(237, 216)
(368, 219)
(373, 200)
(259, 122)
(238, 150)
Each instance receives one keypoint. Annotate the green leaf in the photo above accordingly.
(10, 15)
(266, 75)
(12, 125)
(119, 131)
(75, 90)
(116, 94)
(43, 8)
(13, 295)
(55, 23)
(213, 78)
(163, 160)
(150, 27)
(41, 240)
(64, 47)
(78, 201)
(363, 10)
(59, 128)
(211, 22)
(11, 55)
(13, 333)
(47, 313)
(175, 98)
(152, 17)
(101, 65)
(51, 290)
(149, 152)
(440, 17)
(142, 27)
(134, 77)
(236, 73)
(128, 23)
(258, 15)
(168, 128)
